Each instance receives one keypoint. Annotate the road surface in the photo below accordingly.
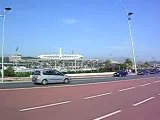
(13, 85)
(136, 99)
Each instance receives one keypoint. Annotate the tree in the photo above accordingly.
(108, 63)
(128, 64)
(109, 66)
(146, 65)
(119, 67)
(9, 72)
(6, 59)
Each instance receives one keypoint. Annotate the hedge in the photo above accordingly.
(23, 74)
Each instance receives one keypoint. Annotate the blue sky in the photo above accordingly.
(93, 28)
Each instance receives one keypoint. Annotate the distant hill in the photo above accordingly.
(25, 58)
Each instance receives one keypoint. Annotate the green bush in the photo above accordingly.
(23, 74)
(87, 71)
(9, 72)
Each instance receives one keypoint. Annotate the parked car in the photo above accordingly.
(143, 72)
(120, 74)
(49, 76)
(154, 71)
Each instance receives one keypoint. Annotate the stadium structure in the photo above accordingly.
(61, 56)
(60, 61)
(63, 62)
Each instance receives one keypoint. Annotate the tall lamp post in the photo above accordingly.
(3, 38)
(129, 14)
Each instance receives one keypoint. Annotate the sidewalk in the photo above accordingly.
(15, 79)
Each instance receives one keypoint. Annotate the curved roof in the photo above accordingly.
(61, 56)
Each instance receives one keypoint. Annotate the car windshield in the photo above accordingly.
(36, 73)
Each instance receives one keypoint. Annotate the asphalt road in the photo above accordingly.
(119, 100)
(73, 82)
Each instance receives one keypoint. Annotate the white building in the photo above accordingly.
(15, 57)
(63, 61)
(61, 56)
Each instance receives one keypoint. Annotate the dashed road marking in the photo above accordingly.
(108, 115)
(95, 96)
(156, 81)
(139, 103)
(44, 106)
(126, 89)
(145, 84)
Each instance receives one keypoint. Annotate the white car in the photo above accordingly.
(49, 76)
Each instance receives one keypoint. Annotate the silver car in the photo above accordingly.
(49, 76)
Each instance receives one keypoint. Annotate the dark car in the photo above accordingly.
(144, 72)
(120, 74)
(154, 71)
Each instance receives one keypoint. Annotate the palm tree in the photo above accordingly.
(128, 63)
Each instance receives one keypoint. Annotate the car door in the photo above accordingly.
(52, 76)
(59, 76)
(47, 76)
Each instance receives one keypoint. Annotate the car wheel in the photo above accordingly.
(44, 82)
(66, 81)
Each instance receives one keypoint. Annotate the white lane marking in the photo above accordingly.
(145, 84)
(126, 89)
(75, 85)
(95, 96)
(108, 115)
(156, 81)
(44, 106)
(136, 104)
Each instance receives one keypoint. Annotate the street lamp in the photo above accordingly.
(129, 14)
(3, 38)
